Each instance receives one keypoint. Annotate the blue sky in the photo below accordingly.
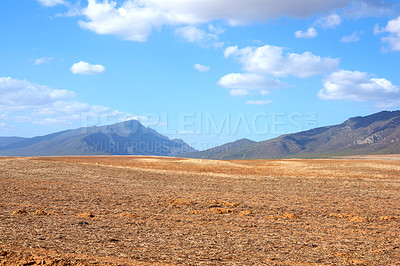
(205, 71)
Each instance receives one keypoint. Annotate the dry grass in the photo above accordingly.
(40, 212)
(138, 210)
(19, 212)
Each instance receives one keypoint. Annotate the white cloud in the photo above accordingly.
(242, 83)
(43, 60)
(49, 121)
(43, 105)
(330, 21)
(270, 59)
(310, 33)
(51, 3)
(360, 86)
(261, 62)
(215, 30)
(240, 12)
(21, 94)
(393, 39)
(135, 20)
(130, 21)
(191, 34)
(258, 102)
(62, 107)
(238, 92)
(73, 9)
(355, 37)
(201, 37)
(201, 68)
(231, 50)
(360, 9)
(327, 22)
(377, 30)
(87, 69)
(249, 81)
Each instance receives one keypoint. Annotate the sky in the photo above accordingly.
(205, 71)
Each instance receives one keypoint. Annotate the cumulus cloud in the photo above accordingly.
(191, 34)
(51, 3)
(249, 81)
(241, 83)
(201, 37)
(393, 39)
(271, 60)
(85, 68)
(130, 21)
(43, 60)
(355, 37)
(326, 22)
(44, 105)
(330, 21)
(20, 94)
(260, 63)
(135, 20)
(360, 86)
(231, 50)
(310, 33)
(201, 68)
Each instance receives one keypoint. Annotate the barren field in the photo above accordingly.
(150, 210)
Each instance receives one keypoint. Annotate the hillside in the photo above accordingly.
(374, 134)
(209, 154)
(4, 141)
(126, 138)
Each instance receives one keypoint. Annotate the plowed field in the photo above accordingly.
(150, 210)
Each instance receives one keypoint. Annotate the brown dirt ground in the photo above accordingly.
(115, 210)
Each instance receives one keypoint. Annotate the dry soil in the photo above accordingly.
(150, 210)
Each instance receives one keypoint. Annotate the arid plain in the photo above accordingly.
(153, 210)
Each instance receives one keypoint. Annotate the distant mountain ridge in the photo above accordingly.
(374, 134)
(126, 138)
(4, 141)
(209, 154)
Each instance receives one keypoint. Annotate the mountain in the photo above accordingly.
(209, 154)
(4, 141)
(374, 134)
(126, 138)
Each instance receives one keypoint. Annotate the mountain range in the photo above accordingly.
(126, 138)
(374, 134)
